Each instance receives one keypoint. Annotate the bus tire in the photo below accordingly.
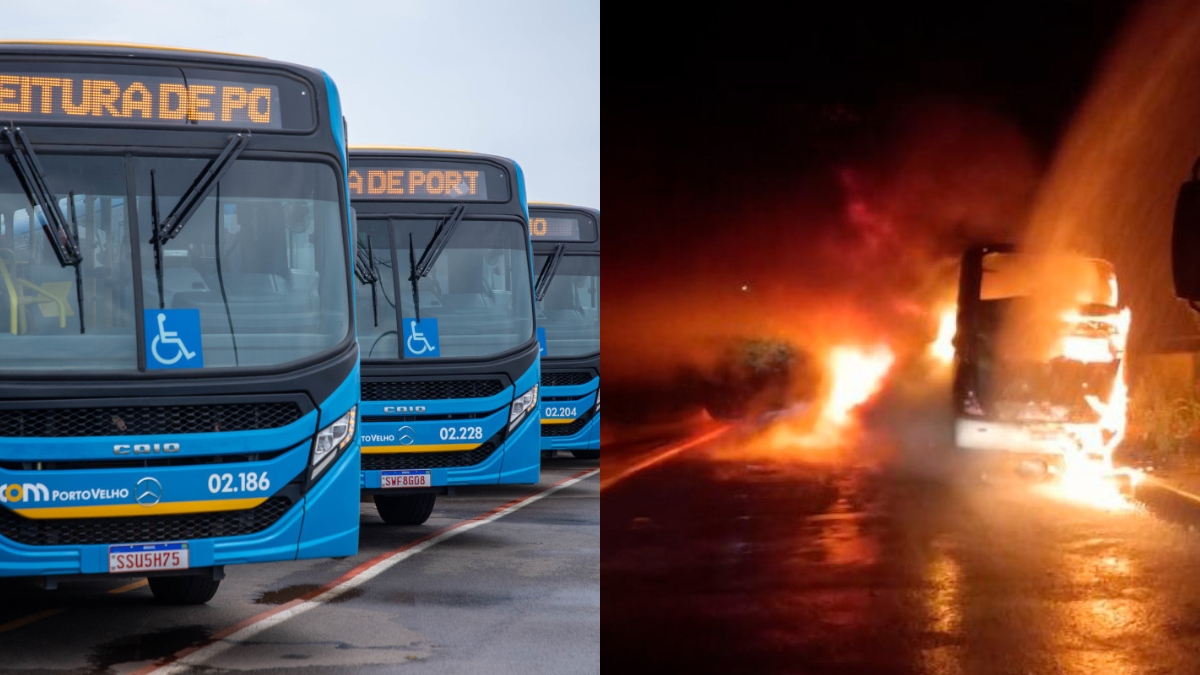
(185, 590)
(586, 454)
(404, 509)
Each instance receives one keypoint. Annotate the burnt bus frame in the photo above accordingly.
(589, 362)
(318, 375)
(970, 283)
(511, 363)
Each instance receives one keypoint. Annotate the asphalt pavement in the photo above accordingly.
(723, 559)
(515, 592)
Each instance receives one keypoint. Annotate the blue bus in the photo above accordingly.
(566, 258)
(446, 326)
(178, 364)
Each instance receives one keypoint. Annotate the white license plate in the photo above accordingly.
(148, 557)
(405, 479)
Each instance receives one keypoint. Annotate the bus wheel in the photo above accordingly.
(404, 509)
(586, 454)
(187, 590)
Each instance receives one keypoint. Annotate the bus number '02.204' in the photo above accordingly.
(558, 412)
(461, 433)
(246, 482)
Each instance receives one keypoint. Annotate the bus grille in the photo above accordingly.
(567, 429)
(143, 421)
(424, 390)
(142, 529)
(428, 460)
(566, 378)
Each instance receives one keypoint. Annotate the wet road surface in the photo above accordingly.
(718, 564)
(518, 594)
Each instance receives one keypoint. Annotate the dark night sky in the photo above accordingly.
(760, 93)
(733, 119)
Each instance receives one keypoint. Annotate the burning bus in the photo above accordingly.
(1039, 366)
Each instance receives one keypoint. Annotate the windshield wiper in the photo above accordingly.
(157, 240)
(186, 207)
(412, 277)
(441, 236)
(364, 269)
(548, 272)
(63, 239)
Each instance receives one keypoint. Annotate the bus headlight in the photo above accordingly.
(331, 440)
(521, 406)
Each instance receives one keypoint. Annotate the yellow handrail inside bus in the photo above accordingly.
(18, 300)
(14, 303)
(60, 301)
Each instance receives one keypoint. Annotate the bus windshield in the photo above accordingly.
(267, 275)
(479, 289)
(570, 310)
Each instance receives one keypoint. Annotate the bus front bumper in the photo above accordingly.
(1026, 438)
(586, 438)
(322, 523)
(516, 460)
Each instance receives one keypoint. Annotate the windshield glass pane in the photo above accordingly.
(1009, 275)
(479, 290)
(262, 259)
(377, 341)
(39, 303)
(570, 311)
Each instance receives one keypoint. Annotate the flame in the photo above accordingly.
(1089, 476)
(855, 375)
(942, 348)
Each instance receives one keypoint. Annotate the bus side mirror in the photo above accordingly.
(1185, 241)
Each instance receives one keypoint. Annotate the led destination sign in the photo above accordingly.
(428, 181)
(560, 228)
(138, 99)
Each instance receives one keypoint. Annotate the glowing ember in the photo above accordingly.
(942, 348)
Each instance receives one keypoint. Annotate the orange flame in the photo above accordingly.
(1088, 476)
(855, 375)
(942, 348)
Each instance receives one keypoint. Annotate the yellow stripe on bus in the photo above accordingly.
(129, 45)
(436, 447)
(159, 509)
(558, 420)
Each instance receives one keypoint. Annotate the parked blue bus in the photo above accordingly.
(566, 259)
(446, 326)
(178, 364)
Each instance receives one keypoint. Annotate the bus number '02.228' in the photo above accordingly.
(246, 482)
(461, 433)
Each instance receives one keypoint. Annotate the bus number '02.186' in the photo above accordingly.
(461, 433)
(248, 482)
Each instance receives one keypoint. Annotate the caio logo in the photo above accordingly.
(24, 492)
(145, 448)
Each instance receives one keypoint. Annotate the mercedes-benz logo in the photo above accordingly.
(407, 435)
(148, 491)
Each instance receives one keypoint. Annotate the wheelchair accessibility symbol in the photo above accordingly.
(420, 338)
(173, 339)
